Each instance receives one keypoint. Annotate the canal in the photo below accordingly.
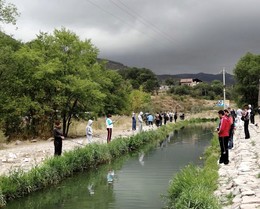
(140, 179)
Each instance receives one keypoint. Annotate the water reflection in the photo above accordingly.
(91, 189)
(138, 180)
(110, 176)
(141, 158)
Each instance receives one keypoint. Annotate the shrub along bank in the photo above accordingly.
(55, 169)
(193, 186)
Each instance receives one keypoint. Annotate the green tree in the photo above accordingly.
(8, 12)
(170, 82)
(117, 93)
(181, 90)
(203, 88)
(139, 100)
(217, 87)
(247, 75)
(8, 116)
(54, 78)
(141, 77)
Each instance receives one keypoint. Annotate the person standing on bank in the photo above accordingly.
(223, 136)
(140, 121)
(252, 114)
(175, 117)
(133, 122)
(89, 131)
(232, 127)
(58, 137)
(109, 124)
(150, 120)
(157, 119)
(245, 116)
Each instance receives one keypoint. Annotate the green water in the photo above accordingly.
(140, 178)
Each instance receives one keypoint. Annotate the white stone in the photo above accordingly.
(26, 159)
(237, 199)
(249, 206)
(250, 200)
(12, 155)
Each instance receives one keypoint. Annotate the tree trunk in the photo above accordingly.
(67, 118)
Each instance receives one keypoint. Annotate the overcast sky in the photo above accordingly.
(166, 36)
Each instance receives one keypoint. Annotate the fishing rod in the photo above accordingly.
(115, 121)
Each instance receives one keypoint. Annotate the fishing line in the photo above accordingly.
(197, 137)
(253, 127)
(75, 142)
(211, 132)
(117, 120)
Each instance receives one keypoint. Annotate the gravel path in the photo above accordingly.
(240, 179)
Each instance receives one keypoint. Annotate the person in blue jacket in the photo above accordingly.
(109, 124)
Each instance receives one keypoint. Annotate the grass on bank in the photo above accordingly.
(194, 186)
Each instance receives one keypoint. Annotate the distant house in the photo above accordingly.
(190, 81)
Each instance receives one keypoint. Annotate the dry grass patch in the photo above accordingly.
(122, 123)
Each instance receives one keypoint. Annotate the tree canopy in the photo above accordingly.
(247, 75)
(56, 76)
(143, 77)
(8, 12)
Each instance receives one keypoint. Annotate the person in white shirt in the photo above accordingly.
(89, 132)
(140, 121)
(109, 124)
(239, 116)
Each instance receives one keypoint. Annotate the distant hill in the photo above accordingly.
(205, 77)
(113, 65)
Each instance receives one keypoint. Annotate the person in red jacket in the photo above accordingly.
(232, 127)
(223, 136)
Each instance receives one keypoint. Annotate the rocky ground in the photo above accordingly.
(239, 181)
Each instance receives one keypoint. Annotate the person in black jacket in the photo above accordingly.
(58, 137)
(246, 117)
(252, 114)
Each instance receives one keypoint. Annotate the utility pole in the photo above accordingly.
(224, 88)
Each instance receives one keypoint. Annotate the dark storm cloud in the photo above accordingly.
(168, 36)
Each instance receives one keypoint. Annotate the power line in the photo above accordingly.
(134, 14)
(122, 20)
